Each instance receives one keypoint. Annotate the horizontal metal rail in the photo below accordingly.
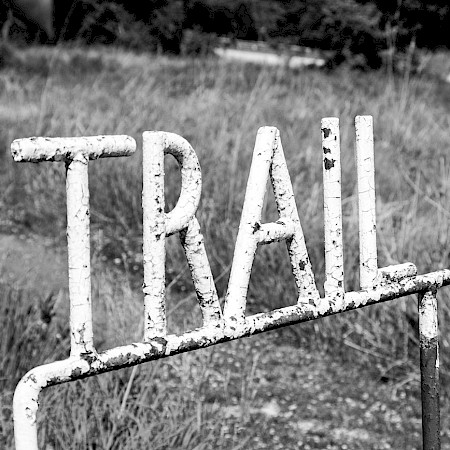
(172, 344)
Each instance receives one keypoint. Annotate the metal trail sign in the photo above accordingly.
(377, 285)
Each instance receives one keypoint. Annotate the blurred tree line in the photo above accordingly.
(348, 27)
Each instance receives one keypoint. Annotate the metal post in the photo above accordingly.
(429, 370)
(154, 236)
(365, 165)
(334, 255)
(78, 247)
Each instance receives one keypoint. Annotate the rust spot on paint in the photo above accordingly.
(426, 343)
(162, 342)
(76, 373)
(329, 163)
(32, 377)
(89, 358)
(326, 150)
(326, 132)
(256, 227)
(52, 381)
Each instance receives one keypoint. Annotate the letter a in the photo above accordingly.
(268, 159)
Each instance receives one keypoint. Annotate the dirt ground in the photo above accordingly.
(305, 400)
(32, 263)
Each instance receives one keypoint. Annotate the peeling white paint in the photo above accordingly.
(205, 288)
(158, 225)
(191, 182)
(154, 235)
(365, 164)
(397, 272)
(268, 161)
(248, 237)
(287, 209)
(334, 254)
(26, 397)
(276, 231)
(428, 319)
(78, 246)
(76, 152)
(37, 149)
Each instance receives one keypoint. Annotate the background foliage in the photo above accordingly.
(357, 27)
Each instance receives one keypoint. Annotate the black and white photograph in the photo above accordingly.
(224, 225)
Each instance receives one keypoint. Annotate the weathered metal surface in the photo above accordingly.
(205, 288)
(276, 231)
(334, 250)
(248, 237)
(287, 209)
(37, 149)
(268, 160)
(78, 246)
(397, 272)
(378, 285)
(158, 225)
(154, 232)
(365, 165)
(76, 153)
(429, 369)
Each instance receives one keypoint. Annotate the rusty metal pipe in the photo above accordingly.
(429, 369)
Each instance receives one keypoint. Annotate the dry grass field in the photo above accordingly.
(346, 382)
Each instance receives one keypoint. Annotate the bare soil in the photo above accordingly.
(32, 263)
(298, 399)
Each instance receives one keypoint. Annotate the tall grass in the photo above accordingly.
(218, 107)
(178, 403)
